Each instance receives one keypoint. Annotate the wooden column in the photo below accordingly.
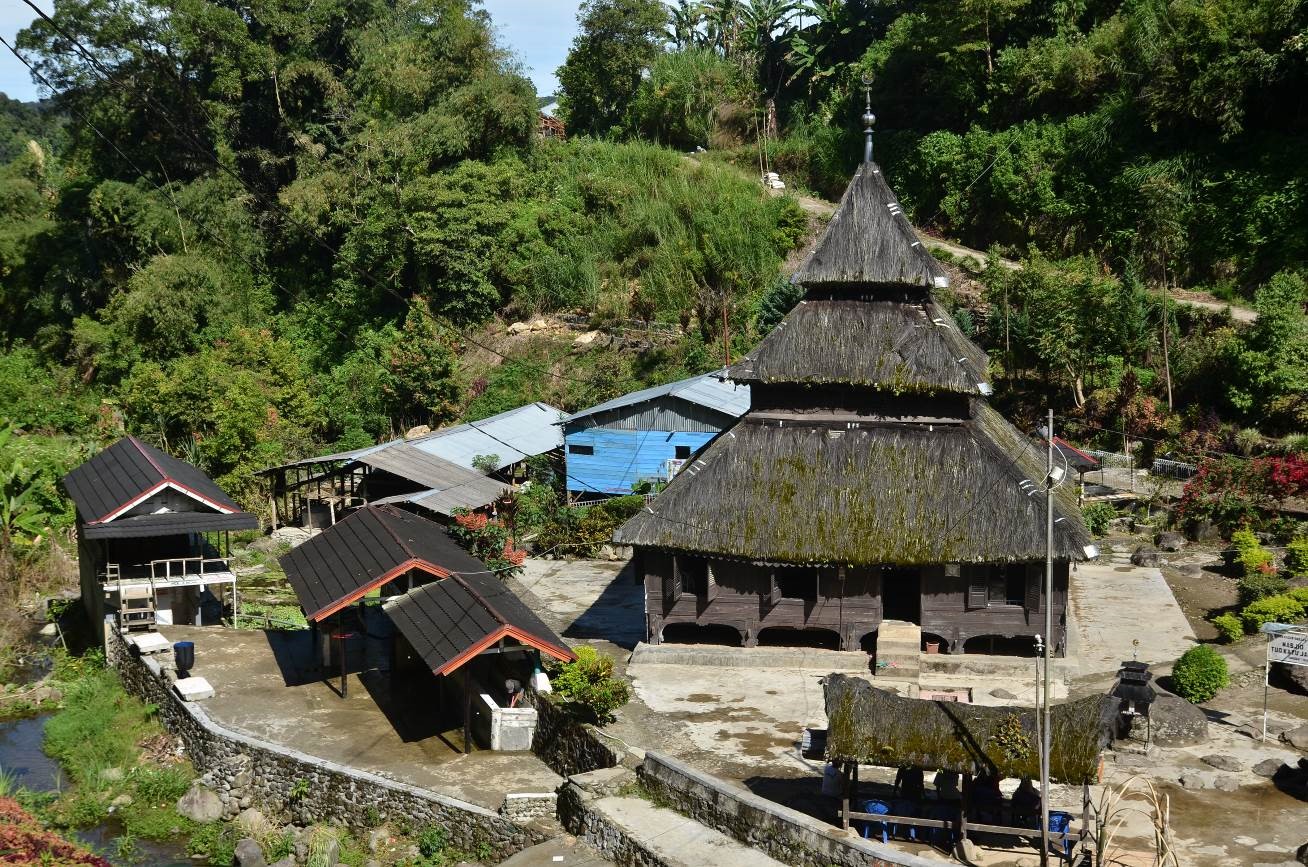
(844, 795)
(962, 808)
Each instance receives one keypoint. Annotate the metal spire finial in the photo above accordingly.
(869, 119)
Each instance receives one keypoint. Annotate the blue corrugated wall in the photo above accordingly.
(624, 457)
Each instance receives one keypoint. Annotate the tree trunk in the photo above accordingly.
(1167, 362)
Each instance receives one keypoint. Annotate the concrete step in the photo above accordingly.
(674, 839)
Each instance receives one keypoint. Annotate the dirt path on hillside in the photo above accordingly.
(822, 210)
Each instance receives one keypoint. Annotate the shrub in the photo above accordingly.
(1296, 558)
(1229, 626)
(589, 682)
(1199, 674)
(1257, 587)
(1097, 517)
(215, 840)
(1272, 609)
(1250, 556)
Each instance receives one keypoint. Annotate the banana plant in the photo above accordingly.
(21, 523)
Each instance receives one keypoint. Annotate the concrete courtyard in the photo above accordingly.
(267, 686)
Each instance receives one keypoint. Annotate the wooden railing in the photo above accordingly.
(165, 569)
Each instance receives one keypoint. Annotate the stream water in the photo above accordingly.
(21, 756)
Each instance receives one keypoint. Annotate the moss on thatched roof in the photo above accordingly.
(875, 727)
(869, 240)
(893, 345)
(880, 494)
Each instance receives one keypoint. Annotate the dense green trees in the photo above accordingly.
(618, 42)
(256, 235)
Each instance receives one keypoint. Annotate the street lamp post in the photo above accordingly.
(1050, 481)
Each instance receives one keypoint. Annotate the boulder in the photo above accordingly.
(1267, 768)
(1302, 854)
(377, 840)
(420, 431)
(1146, 555)
(1294, 677)
(1297, 738)
(1192, 782)
(288, 861)
(1224, 763)
(519, 328)
(248, 854)
(1004, 694)
(251, 821)
(200, 805)
(1170, 540)
(1173, 722)
(1204, 531)
(1226, 783)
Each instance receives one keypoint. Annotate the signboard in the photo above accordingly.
(1290, 648)
(674, 466)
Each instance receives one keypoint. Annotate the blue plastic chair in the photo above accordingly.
(1059, 822)
(878, 808)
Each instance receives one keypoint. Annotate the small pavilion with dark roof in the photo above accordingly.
(869, 482)
(452, 630)
(149, 530)
(370, 550)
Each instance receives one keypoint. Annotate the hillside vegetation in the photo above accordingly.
(250, 233)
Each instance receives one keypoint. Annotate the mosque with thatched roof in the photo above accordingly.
(870, 479)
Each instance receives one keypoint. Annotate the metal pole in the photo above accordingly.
(1049, 640)
(1267, 676)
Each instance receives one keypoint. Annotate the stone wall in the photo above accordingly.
(568, 746)
(294, 786)
(785, 834)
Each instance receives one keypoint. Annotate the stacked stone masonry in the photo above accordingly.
(247, 772)
(566, 745)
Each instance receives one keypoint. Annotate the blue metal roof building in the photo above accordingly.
(646, 435)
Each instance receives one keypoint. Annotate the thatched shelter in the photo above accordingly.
(870, 726)
(870, 480)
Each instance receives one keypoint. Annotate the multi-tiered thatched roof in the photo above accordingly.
(880, 494)
(868, 441)
(874, 727)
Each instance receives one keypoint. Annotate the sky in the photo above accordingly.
(539, 32)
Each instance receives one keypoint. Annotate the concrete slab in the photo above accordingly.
(677, 839)
(265, 686)
(149, 642)
(193, 688)
(1118, 605)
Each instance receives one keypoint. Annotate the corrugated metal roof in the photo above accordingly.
(513, 435)
(707, 390)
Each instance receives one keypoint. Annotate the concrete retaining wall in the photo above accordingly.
(785, 834)
(246, 771)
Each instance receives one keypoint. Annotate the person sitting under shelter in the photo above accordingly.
(1026, 805)
(909, 784)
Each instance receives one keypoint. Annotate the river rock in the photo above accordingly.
(1295, 677)
(1145, 555)
(248, 854)
(1204, 531)
(519, 328)
(377, 839)
(1297, 738)
(1004, 694)
(200, 805)
(1192, 782)
(1267, 768)
(1223, 763)
(1226, 783)
(288, 861)
(1170, 540)
(251, 821)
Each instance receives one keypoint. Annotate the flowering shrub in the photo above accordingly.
(488, 540)
(1233, 493)
(22, 841)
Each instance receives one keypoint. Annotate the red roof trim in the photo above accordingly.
(385, 578)
(1065, 444)
(505, 631)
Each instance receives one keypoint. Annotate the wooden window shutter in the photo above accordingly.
(710, 583)
(672, 583)
(774, 596)
(1035, 580)
(978, 587)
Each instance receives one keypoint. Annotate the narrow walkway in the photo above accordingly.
(1117, 604)
(677, 840)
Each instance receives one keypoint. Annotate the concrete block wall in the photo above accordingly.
(246, 771)
(785, 834)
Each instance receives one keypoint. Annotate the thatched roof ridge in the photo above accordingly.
(896, 345)
(875, 727)
(869, 240)
(889, 494)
